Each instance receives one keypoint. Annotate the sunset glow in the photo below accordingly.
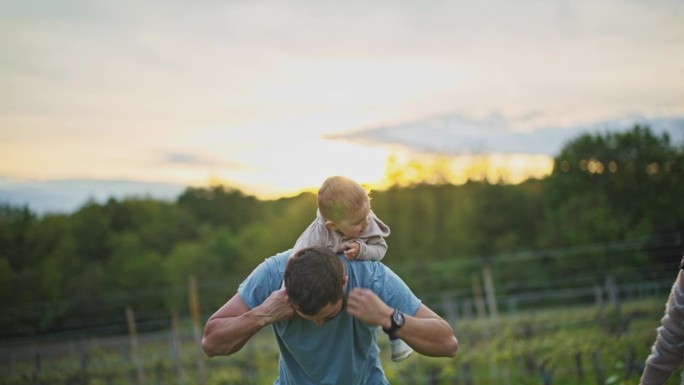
(407, 169)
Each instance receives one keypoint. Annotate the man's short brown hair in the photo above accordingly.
(314, 278)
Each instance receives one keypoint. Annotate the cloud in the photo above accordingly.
(192, 160)
(458, 135)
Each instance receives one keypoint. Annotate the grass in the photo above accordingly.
(560, 346)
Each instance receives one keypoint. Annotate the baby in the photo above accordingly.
(345, 223)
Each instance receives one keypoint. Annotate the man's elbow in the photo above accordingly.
(452, 347)
(208, 348)
(212, 348)
(209, 344)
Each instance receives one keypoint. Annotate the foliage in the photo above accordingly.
(610, 195)
(614, 187)
(634, 177)
(560, 346)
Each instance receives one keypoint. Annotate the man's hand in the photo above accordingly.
(351, 250)
(277, 307)
(227, 330)
(369, 308)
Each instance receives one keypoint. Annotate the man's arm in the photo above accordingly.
(426, 332)
(227, 331)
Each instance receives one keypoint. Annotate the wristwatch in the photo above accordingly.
(397, 322)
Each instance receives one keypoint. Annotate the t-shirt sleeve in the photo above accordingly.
(395, 293)
(264, 279)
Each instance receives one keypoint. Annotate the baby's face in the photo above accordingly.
(352, 225)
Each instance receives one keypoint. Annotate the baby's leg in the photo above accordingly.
(400, 349)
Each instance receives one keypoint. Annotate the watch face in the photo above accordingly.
(397, 322)
(398, 318)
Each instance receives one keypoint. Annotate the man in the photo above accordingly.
(326, 317)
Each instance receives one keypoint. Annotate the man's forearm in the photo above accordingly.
(227, 335)
(426, 332)
(429, 336)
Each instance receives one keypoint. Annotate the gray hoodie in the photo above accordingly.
(667, 354)
(372, 242)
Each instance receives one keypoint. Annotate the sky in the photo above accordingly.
(146, 97)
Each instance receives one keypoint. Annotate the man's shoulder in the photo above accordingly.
(273, 265)
(365, 270)
(278, 260)
(264, 279)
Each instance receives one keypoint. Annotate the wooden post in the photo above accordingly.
(491, 296)
(197, 333)
(126, 354)
(83, 356)
(37, 369)
(613, 294)
(598, 369)
(494, 315)
(175, 348)
(600, 304)
(466, 374)
(133, 337)
(479, 301)
(629, 362)
(482, 315)
(450, 311)
(579, 368)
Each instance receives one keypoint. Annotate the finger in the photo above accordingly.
(359, 291)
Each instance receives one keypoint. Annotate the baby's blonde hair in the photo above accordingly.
(340, 196)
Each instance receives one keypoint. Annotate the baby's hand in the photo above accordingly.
(351, 250)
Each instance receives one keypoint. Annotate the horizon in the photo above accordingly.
(65, 196)
(401, 169)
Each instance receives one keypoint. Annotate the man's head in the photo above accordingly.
(314, 280)
(345, 205)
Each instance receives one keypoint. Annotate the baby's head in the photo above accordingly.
(344, 204)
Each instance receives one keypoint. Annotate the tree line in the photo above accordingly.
(612, 205)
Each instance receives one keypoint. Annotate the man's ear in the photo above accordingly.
(346, 278)
(330, 225)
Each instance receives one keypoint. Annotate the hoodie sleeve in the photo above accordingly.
(373, 248)
(667, 352)
(373, 244)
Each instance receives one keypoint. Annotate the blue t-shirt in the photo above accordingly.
(342, 351)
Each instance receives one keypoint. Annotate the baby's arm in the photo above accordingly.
(372, 248)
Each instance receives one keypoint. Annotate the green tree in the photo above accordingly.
(284, 222)
(221, 206)
(158, 224)
(611, 188)
(90, 226)
(14, 224)
(637, 175)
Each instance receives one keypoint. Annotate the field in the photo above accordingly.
(562, 346)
